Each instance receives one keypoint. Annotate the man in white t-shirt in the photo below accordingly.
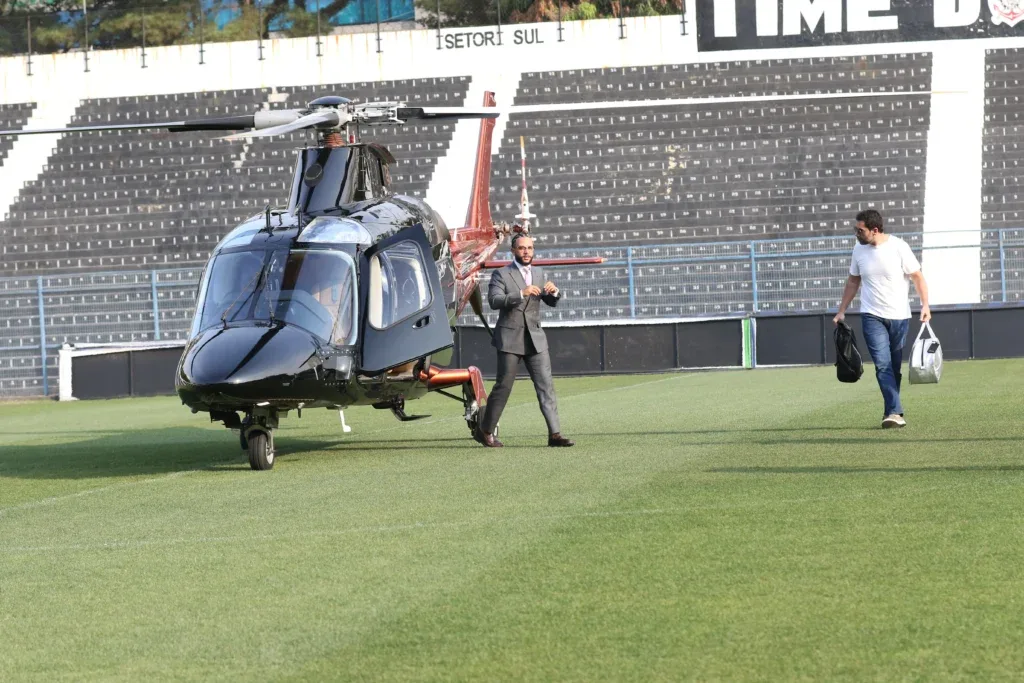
(883, 264)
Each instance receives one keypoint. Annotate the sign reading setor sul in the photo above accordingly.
(459, 40)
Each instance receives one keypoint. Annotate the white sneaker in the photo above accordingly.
(893, 421)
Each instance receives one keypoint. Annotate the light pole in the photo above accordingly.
(28, 19)
(143, 36)
(318, 53)
(378, 26)
(202, 22)
(259, 28)
(438, 24)
(85, 22)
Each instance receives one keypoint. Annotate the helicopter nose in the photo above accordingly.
(240, 356)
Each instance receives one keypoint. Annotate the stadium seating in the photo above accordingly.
(716, 172)
(12, 117)
(1002, 163)
(151, 199)
(900, 72)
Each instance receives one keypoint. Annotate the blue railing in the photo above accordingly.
(739, 278)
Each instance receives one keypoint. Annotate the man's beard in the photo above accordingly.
(862, 240)
(520, 261)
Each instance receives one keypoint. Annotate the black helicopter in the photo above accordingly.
(346, 296)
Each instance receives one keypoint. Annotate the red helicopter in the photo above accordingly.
(348, 295)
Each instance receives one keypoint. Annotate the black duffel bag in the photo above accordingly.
(849, 365)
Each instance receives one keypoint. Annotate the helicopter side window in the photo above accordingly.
(399, 286)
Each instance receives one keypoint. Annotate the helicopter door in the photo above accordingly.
(406, 317)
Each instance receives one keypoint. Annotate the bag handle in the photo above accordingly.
(931, 335)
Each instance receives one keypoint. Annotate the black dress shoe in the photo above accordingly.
(556, 440)
(489, 440)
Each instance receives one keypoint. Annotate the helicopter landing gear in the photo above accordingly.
(257, 437)
(474, 396)
(397, 408)
(474, 414)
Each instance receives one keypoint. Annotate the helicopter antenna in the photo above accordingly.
(524, 214)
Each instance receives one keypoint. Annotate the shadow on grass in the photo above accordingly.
(868, 435)
(113, 453)
(118, 453)
(859, 470)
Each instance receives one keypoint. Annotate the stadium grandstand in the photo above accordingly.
(719, 187)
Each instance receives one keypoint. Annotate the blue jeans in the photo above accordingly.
(884, 339)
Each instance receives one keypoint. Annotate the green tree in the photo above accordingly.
(582, 11)
(483, 12)
(60, 26)
(459, 12)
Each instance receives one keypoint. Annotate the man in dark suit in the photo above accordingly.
(515, 290)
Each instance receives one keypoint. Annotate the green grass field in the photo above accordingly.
(727, 526)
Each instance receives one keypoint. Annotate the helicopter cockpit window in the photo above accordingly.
(314, 290)
(399, 286)
(330, 230)
(240, 236)
(230, 286)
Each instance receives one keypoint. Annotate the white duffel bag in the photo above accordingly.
(926, 358)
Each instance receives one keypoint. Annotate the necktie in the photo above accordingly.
(528, 277)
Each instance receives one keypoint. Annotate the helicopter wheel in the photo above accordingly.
(261, 450)
(474, 424)
(474, 411)
(473, 419)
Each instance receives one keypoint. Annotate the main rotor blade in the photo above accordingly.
(447, 113)
(324, 116)
(223, 123)
(220, 123)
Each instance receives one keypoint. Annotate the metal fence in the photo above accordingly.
(39, 314)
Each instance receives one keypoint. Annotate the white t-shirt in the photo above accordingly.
(885, 288)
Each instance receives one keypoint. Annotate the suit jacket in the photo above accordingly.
(518, 317)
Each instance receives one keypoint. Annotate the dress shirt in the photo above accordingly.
(526, 272)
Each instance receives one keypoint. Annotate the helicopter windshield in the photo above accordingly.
(313, 289)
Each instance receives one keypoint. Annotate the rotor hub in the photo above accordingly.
(329, 102)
